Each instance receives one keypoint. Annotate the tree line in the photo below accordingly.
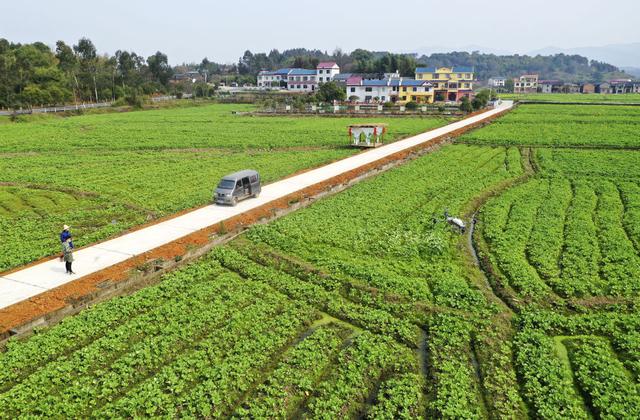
(34, 74)
(570, 68)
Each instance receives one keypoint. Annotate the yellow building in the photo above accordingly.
(449, 83)
(418, 91)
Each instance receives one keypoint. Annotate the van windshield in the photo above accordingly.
(226, 184)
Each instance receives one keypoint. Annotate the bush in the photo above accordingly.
(411, 106)
(465, 105)
(330, 91)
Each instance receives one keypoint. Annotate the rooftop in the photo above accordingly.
(455, 69)
(327, 65)
(358, 81)
(302, 72)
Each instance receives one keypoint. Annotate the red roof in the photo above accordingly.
(354, 80)
(327, 65)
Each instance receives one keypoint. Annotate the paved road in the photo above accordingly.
(63, 108)
(47, 275)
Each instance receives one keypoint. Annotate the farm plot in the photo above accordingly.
(572, 232)
(580, 366)
(560, 98)
(594, 126)
(103, 174)
(393, 328)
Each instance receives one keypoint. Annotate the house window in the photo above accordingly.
(367, 98)
(404, 98)
(436, 76)
(298, 86)
(383, 99)
(459, 76)
(415, 89)
(413, 98)
(353, 89)
(367, 89)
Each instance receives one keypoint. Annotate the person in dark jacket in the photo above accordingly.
(67, 255)
(65, 234)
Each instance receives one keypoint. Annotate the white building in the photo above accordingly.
(276, 78)
(302, 80)
(527, 83)
(389, 90)
(299, 80)
(326, 71)
(497, 82)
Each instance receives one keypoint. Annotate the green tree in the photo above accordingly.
(508, 85)
(160, 68)
(481, 99)
(465, 105)
(87, 57)
(330, 91)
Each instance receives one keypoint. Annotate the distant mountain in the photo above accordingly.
(621, 55)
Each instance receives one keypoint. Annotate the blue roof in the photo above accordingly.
(412, 82)
(457, 69)
(394, 82)
(302, 72)
(282, 71)
(375, 82)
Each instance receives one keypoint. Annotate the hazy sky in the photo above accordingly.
(192, 29)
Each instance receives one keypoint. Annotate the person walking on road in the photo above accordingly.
(65, 234)
(67, 255)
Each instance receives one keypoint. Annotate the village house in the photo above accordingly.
(604, 88)
(302, 80)
(549, 86)
(326, 71)
(397, 90)
(570, 88)
(497, 82)
(191, 76)
(299, 80)
(587, 88)
(277, 78)
(527, 83)
(449, 83)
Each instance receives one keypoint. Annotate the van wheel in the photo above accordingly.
(234, 202)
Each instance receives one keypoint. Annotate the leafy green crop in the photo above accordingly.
(103, 174)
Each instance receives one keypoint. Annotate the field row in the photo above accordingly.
(356, 323)
(574, 97)
(575, 238)
(207, 343)
(580, 366)
(566, 126)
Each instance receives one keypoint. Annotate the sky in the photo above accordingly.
(188, 31)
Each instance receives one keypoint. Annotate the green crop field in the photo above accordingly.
(368, 304)
(573, 97)
(595, 126)
(105, 173)
(324, 313)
